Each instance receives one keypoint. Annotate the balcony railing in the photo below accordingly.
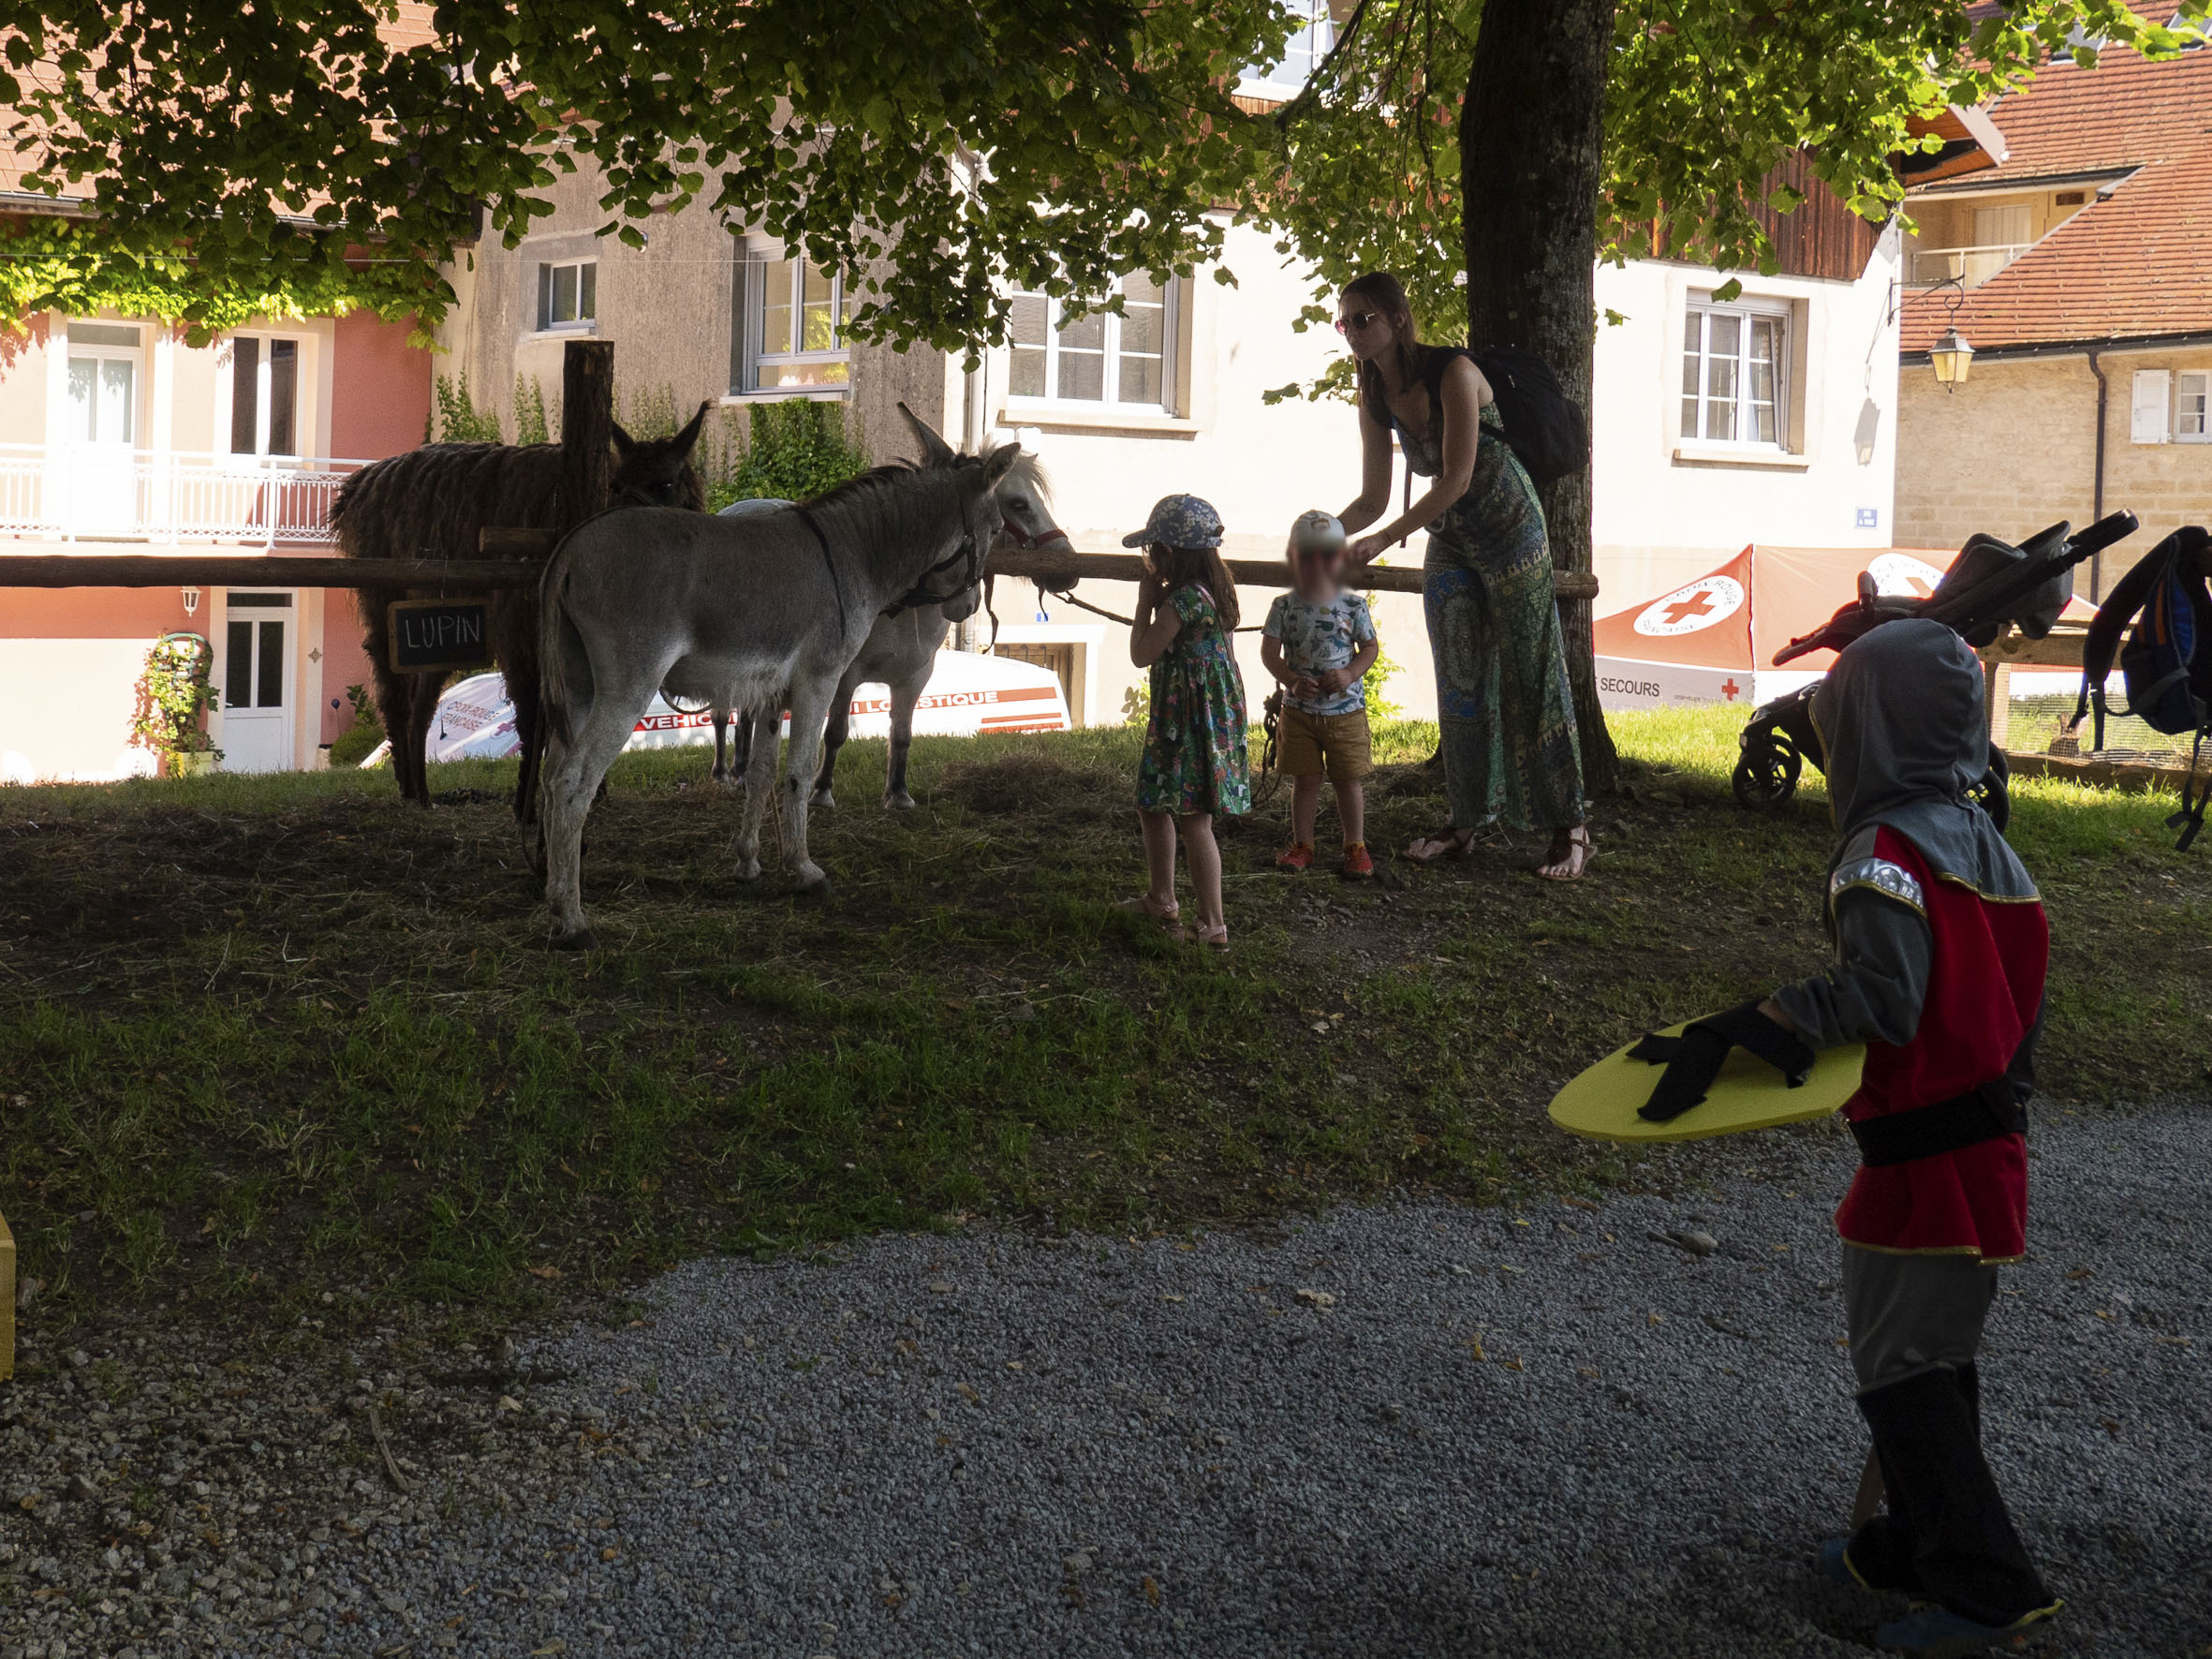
(1931, 265)
(93, 493)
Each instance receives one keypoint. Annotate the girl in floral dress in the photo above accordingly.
(1195, 762)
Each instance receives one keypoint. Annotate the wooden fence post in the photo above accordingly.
(588, 430)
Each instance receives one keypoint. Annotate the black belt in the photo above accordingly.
(1964, 1120)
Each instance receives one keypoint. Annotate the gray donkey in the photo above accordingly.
(902, 647)
(729, 611)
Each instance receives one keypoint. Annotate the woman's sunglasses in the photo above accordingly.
(1355, 320)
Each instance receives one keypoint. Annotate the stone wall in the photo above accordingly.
(2014, 449)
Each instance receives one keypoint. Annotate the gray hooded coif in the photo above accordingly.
(1900, 717)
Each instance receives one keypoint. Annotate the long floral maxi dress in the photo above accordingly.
(1195, 757)
(1504, 712)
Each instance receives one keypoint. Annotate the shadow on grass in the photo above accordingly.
(272, 1039)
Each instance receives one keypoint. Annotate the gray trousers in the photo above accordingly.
(1907, 1314)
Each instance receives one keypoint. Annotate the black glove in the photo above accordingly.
(1694, 1059)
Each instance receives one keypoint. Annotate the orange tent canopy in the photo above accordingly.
(1715, 639)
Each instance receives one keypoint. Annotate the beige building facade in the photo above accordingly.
(2017, 447)
(2072, 267)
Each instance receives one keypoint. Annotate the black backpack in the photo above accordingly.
(2167, 662)
(1544, 426)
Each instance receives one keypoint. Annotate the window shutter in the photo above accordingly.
(2153, 397)
(245, 394)
(544, 297)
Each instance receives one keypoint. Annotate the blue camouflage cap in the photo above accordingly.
(1179, 521)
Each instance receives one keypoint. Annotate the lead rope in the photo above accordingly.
(1109, 616)
(1271, 719)
(836, 585)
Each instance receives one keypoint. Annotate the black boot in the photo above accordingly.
(1881, 1551)
(1946, 1535)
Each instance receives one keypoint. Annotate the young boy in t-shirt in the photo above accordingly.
(1320, 642)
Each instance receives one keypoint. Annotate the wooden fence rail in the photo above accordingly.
(139, 570)
(162, 569)
(1062, 569)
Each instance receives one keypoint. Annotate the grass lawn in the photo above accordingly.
(283, 1048)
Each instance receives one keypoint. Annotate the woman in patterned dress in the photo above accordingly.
(1504, 713)
(1195, 762)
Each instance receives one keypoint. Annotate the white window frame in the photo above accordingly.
(1315, 39)
(1746, 310)
(1171, 332)
(76, 346)
(302, 355)
(547, 322)
(2192, 424)
(754, 372)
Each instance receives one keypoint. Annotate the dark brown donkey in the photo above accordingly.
(429, 504)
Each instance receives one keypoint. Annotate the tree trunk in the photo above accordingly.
(1531, 137)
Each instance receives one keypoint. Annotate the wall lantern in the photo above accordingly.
(191, 598)
(1952, 357)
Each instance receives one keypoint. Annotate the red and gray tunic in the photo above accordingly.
(1941, 950)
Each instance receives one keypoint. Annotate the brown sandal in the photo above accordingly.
(1571, 867)
(1451, 846)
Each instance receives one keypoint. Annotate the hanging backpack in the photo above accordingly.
(1544, 426)
(2166, 664)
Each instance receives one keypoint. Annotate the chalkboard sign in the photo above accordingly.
(431, 636)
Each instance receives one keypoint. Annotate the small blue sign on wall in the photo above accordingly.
(1869, 518)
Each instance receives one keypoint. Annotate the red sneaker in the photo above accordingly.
(1358, 866)
(1297, 861)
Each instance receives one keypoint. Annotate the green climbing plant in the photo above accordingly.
(531, 425)
(456, 419)
(792, 451)
(1377, 676)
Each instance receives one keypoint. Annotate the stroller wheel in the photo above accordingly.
(1994, 794)
(1766, 774)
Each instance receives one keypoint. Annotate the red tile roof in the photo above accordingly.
(2133, 264)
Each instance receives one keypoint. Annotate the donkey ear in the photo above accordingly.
(689, 436)
(935, 452)
(1001, 461)
(623, 441)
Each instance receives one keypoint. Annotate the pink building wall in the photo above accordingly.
(380, 406)
(70, 657)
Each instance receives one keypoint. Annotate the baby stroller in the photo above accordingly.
(1992, 586)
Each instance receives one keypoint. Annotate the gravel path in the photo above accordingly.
(1400, 1430)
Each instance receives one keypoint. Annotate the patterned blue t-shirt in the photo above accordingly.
(1318, 638)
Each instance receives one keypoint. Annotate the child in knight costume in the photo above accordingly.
(1941, 947)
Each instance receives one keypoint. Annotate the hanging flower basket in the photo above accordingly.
(173, 697)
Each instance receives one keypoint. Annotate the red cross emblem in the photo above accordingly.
(1729, 688)
(1698, 604)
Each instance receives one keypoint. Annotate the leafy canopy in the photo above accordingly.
(308, 156)
(1705, 99)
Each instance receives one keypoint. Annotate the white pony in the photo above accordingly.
(901, 648)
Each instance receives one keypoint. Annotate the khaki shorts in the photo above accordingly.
(1304, 741)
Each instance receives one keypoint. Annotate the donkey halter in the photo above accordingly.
(973, 554)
